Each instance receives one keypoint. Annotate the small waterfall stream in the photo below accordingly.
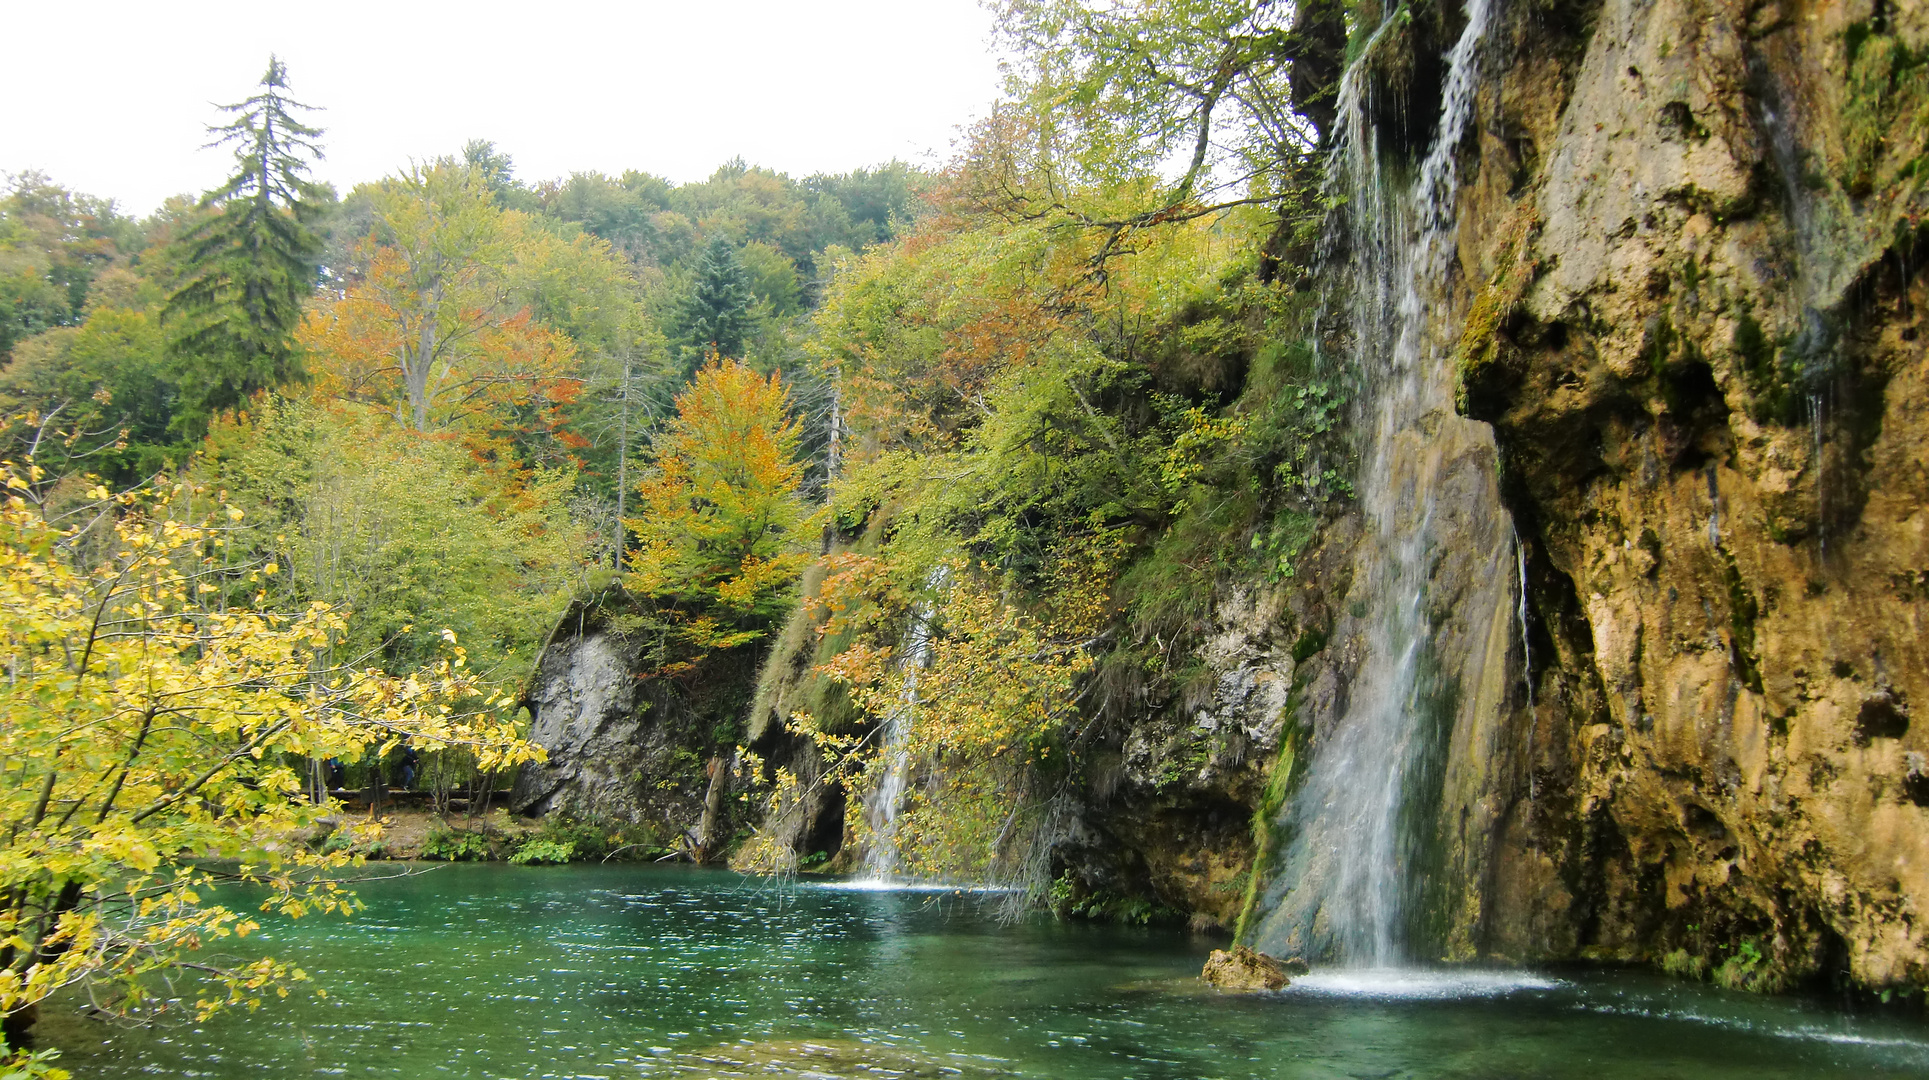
(886, 801)
(1433, 573)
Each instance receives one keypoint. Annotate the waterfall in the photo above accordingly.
(1526, 654)
(886, 801)
(1432, 577)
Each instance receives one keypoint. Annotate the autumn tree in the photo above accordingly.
(721, 531)
(150, 726)
(438, 323)
(248, 269)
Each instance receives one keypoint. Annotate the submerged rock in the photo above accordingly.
(825, 1058)
(1241, 968)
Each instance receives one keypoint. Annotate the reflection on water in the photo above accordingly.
(625, 972)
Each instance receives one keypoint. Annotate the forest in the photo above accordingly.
(1217, 496)
(355, 452)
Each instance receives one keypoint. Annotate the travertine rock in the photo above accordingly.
(1240, 968)
(1704, 360)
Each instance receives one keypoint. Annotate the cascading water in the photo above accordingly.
(1432, 576)
(886, 801)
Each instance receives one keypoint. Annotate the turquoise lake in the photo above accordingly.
(492, 971)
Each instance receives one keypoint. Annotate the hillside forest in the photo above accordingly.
(301, 477)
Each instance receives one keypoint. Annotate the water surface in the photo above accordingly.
(494, 971)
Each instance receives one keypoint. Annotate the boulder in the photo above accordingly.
(1241, 968)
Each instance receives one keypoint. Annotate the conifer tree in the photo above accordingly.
(717, 316)
(250, 263)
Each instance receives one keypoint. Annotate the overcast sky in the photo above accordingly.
(113, 98)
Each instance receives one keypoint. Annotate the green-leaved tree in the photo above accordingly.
(247, 268)
(717, 316)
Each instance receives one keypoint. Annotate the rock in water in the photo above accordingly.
(1241, 968)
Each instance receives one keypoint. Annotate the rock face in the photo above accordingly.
(1241, 968)
(1178, 776)
(623, 747)
(1690, 281)
(584, 702)
(1701, 343)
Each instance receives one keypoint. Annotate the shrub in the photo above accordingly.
(600, 839)
(458, 845)
(537, 850)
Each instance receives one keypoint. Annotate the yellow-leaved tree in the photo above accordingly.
(720, 540)
(150, 737)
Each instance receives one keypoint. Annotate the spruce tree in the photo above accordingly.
(717, 316)
(251, 262)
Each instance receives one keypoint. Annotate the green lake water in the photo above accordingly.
(494, 971)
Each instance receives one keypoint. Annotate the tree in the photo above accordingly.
(628, 385)
(248, 268)
(716, 316)
(432, 327)
(107, 385)
(498, 172)
(1128, 116)
(54, 243)
(608, 208)
(151, 726)
(721, 538)
(360, 514)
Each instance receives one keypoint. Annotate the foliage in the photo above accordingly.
(32, 1065)
(987, 742)
(719, 544)
(355, 511)
(540, 851)
(715, 318)
(149, 727)
(108, 385)
(1133, 86)
(1885, 111)
(458, 845)
(54, 245)
(248, 269)
(432, 327)
(1068, 899)
(1037, 658)
(595, 840)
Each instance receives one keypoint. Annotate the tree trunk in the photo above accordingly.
(622, 463)
(707, 839)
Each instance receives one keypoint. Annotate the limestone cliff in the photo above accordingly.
(1698, 334)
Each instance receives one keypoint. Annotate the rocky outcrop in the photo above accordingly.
(625, 747)
(1698, 334)
(583, 701)
(1179, 774)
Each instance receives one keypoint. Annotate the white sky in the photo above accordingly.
(112, 99)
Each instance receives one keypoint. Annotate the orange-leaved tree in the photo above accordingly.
(433, 324)
(720, 540)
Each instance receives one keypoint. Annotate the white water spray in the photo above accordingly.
(1348, 878)
(886, 802)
